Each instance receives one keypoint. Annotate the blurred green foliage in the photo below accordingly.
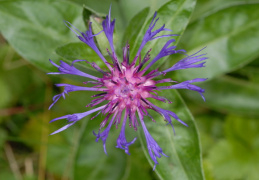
(223, 146)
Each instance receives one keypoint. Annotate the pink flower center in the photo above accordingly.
(127, 88)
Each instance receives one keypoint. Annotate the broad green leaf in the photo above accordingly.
(36, 29)
(205, 7)
(135, 25)
(231, 37)
(80, 50)
(174, 14)
(183, 148)
(230, 95)
(237, 156)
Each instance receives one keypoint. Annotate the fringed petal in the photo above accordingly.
(122, 141)
(153, 148)
(73, 118)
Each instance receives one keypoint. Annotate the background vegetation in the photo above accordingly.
(222, 140)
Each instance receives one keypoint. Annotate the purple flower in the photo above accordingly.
(126, 88)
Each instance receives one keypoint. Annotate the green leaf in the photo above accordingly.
(228, 94)
(210, 128)
(36, 29)
(79, 50)
(242, 142)
(133, 29)
(137, 165)
(231, 37)
(183, 148)
(174, 14)
(5, 93)
(3, 137)
(237, 157)
(205, 7)
(90, 158)
(76, 154)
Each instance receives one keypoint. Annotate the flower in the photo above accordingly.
(126, 86)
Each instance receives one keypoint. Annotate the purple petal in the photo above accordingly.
(153, 148)
(63, 128)
(189, 62)
(187, 85)
(65, 68)
(70, 88)
(73, 118)
(88, 38)
(165, 51)
(108, 28)
(104, 135)
(150, 35)
(166, 114)
(122, 141)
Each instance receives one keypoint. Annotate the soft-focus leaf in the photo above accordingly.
(242, 142)
(80, 51)
(36, 29)
(251, 72)
(5, 172)
(205, 7)
(17, 80)
(5, 94)
(61, 146)
(183, 148)
(210, 128)
(231, 37)
(3, 137)
(30, 132)
(237, 157)
(137, 165)
(90, 158)
(230, 95)
(135, 25)
(174, 14)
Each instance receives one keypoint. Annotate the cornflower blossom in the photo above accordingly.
(126, 86)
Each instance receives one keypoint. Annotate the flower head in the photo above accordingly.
(126, 86)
